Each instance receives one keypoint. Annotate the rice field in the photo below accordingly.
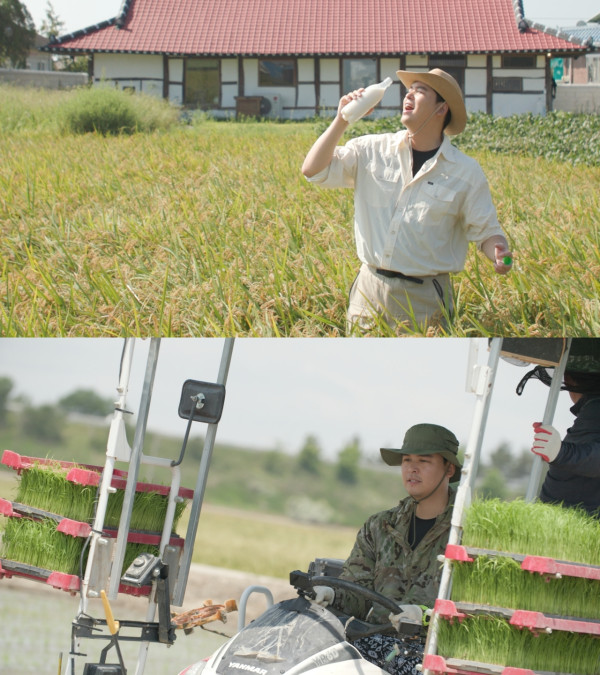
(210, 229)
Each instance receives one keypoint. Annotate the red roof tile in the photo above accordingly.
(307, 27)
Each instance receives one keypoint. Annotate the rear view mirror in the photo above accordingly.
(202, 401)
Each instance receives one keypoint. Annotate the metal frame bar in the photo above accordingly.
(196, 507)
(134, 469)
(480, 381)
(538, 468)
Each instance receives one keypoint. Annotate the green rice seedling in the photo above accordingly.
(45, 486)
(492, 640)
(500, 581)
(148, 513)
(533, 528)
(38, 543)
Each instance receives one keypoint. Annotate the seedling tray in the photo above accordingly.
(79, 529)
(536, 622)
(440, 666)
(529, 563)
(59, 580)
(64, 582)
(86, 474)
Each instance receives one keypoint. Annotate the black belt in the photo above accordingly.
(398, 275)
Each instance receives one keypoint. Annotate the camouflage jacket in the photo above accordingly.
(382, 560)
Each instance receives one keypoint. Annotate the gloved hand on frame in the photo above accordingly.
(324, 595)
(409, 614)
(546, 442)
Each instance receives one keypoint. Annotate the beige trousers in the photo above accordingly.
(399, 303)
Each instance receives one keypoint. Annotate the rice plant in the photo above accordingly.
(493, 640)
(148, 512)
(38, 543)
(44, 486)
(500, 582)
(533, 528)
(210, 229)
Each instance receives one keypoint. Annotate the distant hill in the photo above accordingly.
(268, 481)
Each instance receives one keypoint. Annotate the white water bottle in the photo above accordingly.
(371, 96)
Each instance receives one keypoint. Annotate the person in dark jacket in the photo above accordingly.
(573, 477)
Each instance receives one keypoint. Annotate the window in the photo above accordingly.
(357, 73)
(276, 73)
(202, 83)
(518, 60)
(507, 84)
(445, 61)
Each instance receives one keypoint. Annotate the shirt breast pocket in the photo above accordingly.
(436, 202)
(385, 177)
(381, 186)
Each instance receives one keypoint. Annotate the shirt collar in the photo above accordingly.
(446, 148)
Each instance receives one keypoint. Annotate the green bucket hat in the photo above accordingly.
(426, 439)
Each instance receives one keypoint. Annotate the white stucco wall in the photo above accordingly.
(145, 73)
(128, 66)
(577, 98)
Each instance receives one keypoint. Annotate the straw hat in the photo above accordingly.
(426, 439)
(447, 87)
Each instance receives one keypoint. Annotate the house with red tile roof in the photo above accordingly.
(295, 58)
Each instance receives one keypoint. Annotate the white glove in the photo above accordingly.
(324, 595)
(409, 614)
(546, 442)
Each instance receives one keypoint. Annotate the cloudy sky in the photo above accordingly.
(281, 390)
(78, 14)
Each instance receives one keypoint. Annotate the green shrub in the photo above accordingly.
(106, 111)
(110, 111)
(556, 136)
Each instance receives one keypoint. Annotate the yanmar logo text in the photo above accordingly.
(247, 667)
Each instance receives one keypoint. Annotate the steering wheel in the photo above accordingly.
(357, 628)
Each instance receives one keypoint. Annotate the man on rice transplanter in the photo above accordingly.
(396, 551)
(418, 202)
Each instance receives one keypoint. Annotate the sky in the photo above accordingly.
(279, 391)
(77, 14)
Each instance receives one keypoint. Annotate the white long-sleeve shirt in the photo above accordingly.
(418, 226)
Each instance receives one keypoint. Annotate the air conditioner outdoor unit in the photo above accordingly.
(271, 106)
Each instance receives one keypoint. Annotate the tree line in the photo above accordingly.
(18, 34)
(504, 475)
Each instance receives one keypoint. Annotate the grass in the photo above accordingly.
(210, 229)
(45, 487)
(251, 542)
